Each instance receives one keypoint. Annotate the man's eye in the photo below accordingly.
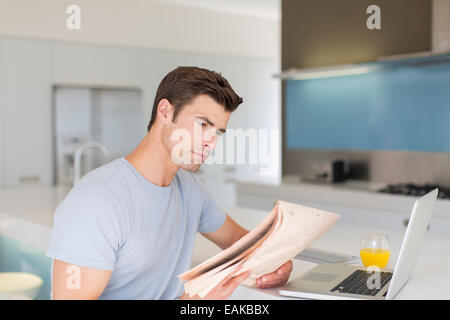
(203, 124)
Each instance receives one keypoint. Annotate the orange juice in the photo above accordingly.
(378, 257)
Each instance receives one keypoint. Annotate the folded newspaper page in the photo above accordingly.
(285, 232)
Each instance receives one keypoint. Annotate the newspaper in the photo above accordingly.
(285, 232)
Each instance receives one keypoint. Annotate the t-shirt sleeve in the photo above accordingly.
(212, 217)
(86, 230)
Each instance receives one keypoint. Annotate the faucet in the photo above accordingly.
(77, 157)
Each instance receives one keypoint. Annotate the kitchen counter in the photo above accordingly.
(429, 281)
(37, 204)
(358, 195)
(34, 204)
(26, 214)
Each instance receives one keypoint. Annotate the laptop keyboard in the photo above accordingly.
(356, 283)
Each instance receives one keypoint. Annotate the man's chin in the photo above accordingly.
(191, 167)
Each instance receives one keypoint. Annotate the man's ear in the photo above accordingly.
(165, 111)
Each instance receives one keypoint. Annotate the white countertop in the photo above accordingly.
(430, 279)
(349, 194)
(35, 204)
(35, 207)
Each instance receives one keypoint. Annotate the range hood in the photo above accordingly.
(419, 59)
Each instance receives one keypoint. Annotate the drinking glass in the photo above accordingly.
(374, 249)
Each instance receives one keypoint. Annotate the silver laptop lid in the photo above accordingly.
(412, 241)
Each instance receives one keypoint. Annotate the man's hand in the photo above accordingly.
(277, 278)
(231, 232)
(223, 290)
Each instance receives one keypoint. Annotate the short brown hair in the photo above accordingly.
(183, 84)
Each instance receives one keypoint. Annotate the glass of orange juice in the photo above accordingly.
(375, 249)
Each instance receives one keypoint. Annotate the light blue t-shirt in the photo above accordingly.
(115, 219)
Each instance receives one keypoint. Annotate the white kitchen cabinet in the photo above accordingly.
(261, 111)
(27, 116)
(252, 80)
(94, 65)
(2, 117)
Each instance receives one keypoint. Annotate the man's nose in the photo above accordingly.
(210, 142)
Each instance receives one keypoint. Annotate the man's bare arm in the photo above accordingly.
(72, 282)
(229, 233)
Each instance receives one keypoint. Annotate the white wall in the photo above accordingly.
(144, 23)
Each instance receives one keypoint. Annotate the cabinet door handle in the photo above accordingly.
(29, 178)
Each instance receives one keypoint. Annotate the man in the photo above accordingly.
(127, 229)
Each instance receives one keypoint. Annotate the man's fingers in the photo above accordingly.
(279, 273)
(226, 287)
(234, 282)
(279, 276)
(271, 283)
(285, 268)
(230, 276)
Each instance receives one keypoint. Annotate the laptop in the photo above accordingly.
(341, 281)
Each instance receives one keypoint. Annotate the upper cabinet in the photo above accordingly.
(2, 116)
(95, 65)
(329, 32)
(26, 116)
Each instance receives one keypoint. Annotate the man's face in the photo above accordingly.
(194, 133)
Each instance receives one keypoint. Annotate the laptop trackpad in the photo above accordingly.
(321, 277)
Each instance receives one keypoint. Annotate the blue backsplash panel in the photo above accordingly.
(404, 109)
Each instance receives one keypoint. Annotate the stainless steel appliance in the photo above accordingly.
(325, 170)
